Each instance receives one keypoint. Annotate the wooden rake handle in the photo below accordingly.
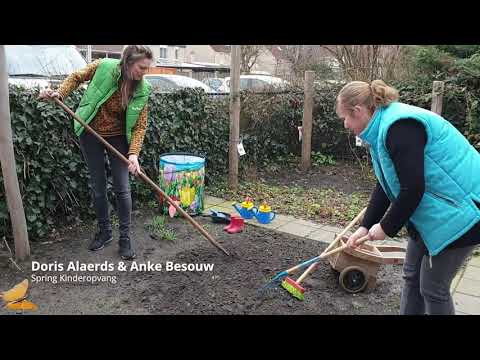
(144, 178)
(344, 231)
(310, 269)
(343, 247)
(313, 266)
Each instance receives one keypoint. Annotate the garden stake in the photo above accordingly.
(144, 178)
(294, 287)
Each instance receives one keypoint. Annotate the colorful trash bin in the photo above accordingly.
(182, 177)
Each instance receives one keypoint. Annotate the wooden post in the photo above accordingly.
(234, 117)
(307, 121)
(437, 96)
(89, 53)
(7, 159)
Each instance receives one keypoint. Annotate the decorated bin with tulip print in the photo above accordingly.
(182, 177)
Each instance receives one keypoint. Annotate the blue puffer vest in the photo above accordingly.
(448, 208)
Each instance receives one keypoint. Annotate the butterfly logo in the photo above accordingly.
(16, 298)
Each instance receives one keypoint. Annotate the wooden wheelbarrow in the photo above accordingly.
(358, 267)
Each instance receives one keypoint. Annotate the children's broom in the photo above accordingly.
(294, 287)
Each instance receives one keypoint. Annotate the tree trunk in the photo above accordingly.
(234, 117)
(7, 159)
(307, 121)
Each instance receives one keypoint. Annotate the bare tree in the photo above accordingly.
(250, 55)
(367, 62)
(301, 58)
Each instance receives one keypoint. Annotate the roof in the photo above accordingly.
(105, 48)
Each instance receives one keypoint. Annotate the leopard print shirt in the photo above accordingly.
(110, 118)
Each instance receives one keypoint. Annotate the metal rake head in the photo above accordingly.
(276, 281)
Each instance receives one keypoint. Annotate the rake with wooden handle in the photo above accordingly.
(278, 278)
(294, 287)
(144, 178)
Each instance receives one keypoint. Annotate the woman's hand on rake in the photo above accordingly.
(48, 94)
(134, 166)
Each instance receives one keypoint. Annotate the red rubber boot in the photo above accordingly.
(238, 225)
(232, 216)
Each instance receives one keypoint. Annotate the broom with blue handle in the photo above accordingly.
(278, 278)
(313, 262)
(294, 287)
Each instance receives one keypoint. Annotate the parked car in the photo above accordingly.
(323, 83)
(260, 83)
(217, 84)
(168, 83)
(41, 65)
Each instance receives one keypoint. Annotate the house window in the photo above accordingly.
(163, 52)
(176, 53)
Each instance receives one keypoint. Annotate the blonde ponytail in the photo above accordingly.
(383, 95)
(369, 95)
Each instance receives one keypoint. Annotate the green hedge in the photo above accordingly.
(270, 125)
(53, 176)
(50, 171)
(460, 105)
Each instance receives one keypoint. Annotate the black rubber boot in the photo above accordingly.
(101, 238)
(126, 249)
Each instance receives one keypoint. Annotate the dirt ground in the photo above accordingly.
(346, 177)
(230, 288)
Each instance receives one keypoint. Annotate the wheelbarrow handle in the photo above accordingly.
(343, 247)
(349, 226)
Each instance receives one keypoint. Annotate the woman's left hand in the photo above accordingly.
(134, 166)
(376, 232)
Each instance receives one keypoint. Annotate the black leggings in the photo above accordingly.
(94, 154)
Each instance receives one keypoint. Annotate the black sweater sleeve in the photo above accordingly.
(377, 206)
(405, 142)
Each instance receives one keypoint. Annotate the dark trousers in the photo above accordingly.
(428, 279)
(94, 154)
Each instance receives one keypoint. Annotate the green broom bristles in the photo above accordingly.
(293, 288)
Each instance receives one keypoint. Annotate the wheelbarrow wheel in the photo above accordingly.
(353, 279)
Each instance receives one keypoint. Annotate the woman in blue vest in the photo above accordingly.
(115, 106)
(428, 179)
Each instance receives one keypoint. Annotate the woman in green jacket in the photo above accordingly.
(115, 106)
